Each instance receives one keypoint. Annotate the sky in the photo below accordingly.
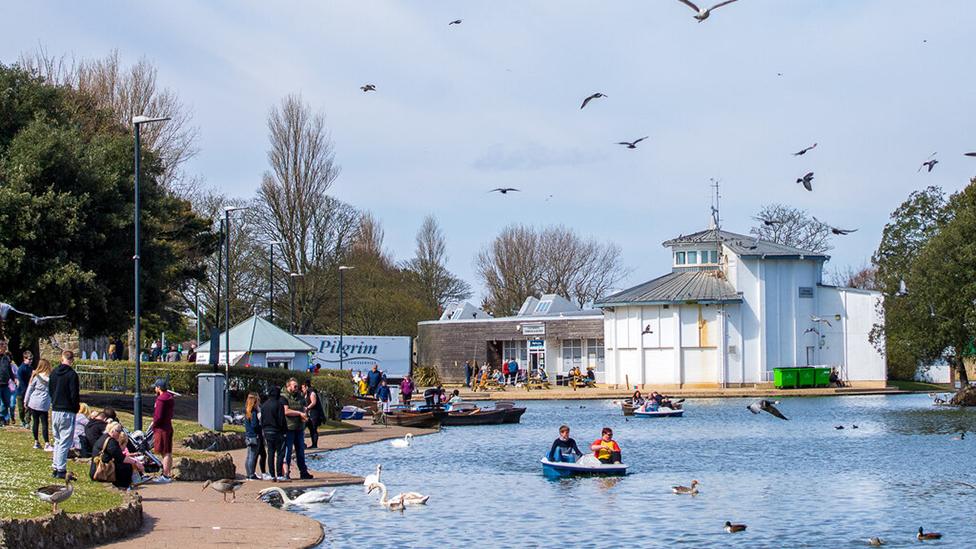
(494, 102)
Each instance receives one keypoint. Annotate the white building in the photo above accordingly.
(731, 310)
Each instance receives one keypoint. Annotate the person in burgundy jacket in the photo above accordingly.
(163, 428)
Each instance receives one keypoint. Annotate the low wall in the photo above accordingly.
(81, 530)
(197, 470)
(214, 442)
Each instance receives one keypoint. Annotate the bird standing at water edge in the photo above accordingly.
(224, 486)
(56, 493)
(702, 12)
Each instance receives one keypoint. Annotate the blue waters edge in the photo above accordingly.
(797, 483)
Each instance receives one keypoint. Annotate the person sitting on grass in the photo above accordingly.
(564, 448)
(109, 448)
(605, 448)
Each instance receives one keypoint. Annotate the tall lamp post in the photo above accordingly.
(342, 269)
(271, 246)
(227, 212)
(291, 288)
(137, 122)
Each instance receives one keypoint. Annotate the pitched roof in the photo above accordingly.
(257, 334)
(743, 245)
(676, 287)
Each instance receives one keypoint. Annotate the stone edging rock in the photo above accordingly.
(210, 468)
(76, 530)
(214, 442)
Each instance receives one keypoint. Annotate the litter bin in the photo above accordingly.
(823, 377)
(784, 377)
(210, 400)
(806, 377)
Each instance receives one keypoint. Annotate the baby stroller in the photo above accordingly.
(140, 447)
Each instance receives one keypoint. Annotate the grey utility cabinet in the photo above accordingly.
(210, 400)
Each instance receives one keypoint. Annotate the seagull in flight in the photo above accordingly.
(766, 406)
(596, 95)
(368, 88)
(930, 163)
(504, 190)
(807, 181)
(455, 22)
(969, 154)
(811, 331)
(632, 144)
(6, 309)
(805, 151)
(835, 230)
(821, 320)
(768, 222)
(704, 13)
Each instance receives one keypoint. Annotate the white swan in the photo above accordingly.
(402, 442)
(375, 477)
(395, 504)
(312, 496)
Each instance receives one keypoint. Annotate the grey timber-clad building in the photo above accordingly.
(548, 332)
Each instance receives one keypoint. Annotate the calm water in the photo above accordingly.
(797, 483)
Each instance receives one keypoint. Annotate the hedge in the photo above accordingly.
(119, 376)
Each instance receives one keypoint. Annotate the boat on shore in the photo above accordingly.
(406, 418)
(587, 465)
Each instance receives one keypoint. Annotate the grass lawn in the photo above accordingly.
(24, 469)
(919, 386)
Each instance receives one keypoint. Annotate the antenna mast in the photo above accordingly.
(716, 219)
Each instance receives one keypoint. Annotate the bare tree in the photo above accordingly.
(863, 278)
(521, 262)
(127, 92)
(792, 227)
(439, 285)
(369, 239)
(293, 206)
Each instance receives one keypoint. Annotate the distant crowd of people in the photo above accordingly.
(274, 430)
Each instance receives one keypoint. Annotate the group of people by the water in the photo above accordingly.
(564, 448)
(655, 400)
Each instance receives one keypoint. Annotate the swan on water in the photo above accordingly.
(312, 496)
(402, 442)
(395, 504)
(371, 478)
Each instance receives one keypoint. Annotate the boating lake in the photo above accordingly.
(797, 483)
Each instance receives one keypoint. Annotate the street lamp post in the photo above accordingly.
(291, 288)
(271, 276)
(342, 269)
(227, 212)
(138, 121)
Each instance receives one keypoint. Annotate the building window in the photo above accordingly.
(572, 354)
(516, 350)
(595, 355)
(543, 306)
(679, 258)
(692, 258)
(713, 256)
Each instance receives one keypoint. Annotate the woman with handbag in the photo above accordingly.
(253, 435)
(110, 464)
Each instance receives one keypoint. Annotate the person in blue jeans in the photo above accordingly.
(6, 376)
(295, 419)
(65, 402)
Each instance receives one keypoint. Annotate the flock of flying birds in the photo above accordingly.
(701, 14)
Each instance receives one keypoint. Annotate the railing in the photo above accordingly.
(115, 379)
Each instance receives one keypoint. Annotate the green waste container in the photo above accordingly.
(823, 377)
(806, 377)
(784, 377)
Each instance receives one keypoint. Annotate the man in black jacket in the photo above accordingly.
(65, 400)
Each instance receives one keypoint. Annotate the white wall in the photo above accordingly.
(845, 343)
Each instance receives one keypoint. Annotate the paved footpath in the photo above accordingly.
(181, 515)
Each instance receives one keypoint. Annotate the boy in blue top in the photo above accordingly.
(383, 394)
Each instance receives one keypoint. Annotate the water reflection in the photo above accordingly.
(797, 483)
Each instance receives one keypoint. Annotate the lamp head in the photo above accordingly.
(143, 119)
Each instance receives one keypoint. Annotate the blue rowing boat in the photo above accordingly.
(586, 466)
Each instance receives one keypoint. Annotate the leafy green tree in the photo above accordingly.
(912, 226)
(66, 231)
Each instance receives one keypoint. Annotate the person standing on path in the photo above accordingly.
(38, 401)
(295, 436)
(65, 401)
(163, 429)
(6, 414)
(274, 427)
(24, 372)
(384, 396)
(373, 380)
(467, 373)
(315, 411)
(252, 434)
(406, 390)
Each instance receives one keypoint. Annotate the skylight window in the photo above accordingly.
(543, 306)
